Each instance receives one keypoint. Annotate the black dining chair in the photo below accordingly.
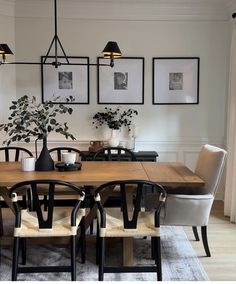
(55, 222)
(10, 154)
(89, 202)
(114, 154)
(60, 150)
(14, 153)
(129, 220)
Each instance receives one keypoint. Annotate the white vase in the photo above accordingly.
(114, 140)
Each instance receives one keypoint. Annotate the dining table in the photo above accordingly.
(95, 173)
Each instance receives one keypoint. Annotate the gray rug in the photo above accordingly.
(179, 261)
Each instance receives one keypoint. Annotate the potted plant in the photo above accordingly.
(30, 119)
(114, 119)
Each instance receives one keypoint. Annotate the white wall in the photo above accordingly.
(161, 128)
(142, 28)
(7, 73)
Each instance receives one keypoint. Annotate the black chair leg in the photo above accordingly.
(195, 232)
(153, 248)
(157, 242)
(92, 202)
(101, 259)
(23, 251)
(16, 248)
(205, 241)
(73, 263)
(45, 203)
(97, 245)
(1, 221)
(82, 240)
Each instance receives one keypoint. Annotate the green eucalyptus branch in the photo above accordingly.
(31, 119)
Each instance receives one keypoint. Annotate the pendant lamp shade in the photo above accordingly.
(111, 50)
(6, 49)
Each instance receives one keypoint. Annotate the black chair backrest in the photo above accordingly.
(16, 151)
(138, 188)
(114, 154)
(49, 189)
(59, 151)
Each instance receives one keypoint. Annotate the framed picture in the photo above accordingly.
(66, 80)
(122, 84)
(175, 80)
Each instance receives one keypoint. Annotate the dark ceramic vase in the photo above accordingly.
(44, 161)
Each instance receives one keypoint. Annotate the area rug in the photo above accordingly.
(179, 260)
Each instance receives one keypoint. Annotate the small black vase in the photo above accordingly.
(44, 161)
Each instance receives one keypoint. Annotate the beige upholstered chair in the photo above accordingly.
(194, 209)
(129, 221)
(55, 222)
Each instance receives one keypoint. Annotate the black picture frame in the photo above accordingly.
(123, 84)
(175, 80)
(66, 80)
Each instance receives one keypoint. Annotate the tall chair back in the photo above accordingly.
(210, 166)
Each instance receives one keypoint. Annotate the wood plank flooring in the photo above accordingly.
(221, 266)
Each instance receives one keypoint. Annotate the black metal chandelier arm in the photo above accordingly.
(52, 63)
(110, 51)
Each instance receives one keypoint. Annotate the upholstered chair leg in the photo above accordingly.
(205, 241)
(83, 240)
(23, 251)
(195, 232)
(73, 263)
(16, 248)
(101, 258)
(157, 242)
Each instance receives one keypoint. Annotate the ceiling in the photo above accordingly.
(218, 10)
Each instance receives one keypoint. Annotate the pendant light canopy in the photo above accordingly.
(110, 51)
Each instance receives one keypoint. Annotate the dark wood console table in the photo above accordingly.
(146, 156)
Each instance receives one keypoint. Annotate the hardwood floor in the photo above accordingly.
(221, 266)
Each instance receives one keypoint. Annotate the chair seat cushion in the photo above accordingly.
(115, 228)
(61, 224)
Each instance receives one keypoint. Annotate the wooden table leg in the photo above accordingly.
(128, 251)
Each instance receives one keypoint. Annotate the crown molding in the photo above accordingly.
(7, 8)
(130, 10)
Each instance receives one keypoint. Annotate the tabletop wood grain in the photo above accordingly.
(171, 174)
(92, 173)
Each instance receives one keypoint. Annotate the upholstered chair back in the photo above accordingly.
(210, 166)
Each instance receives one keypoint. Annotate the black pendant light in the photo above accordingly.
(110, 51)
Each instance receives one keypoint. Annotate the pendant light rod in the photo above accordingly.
(110, 51)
